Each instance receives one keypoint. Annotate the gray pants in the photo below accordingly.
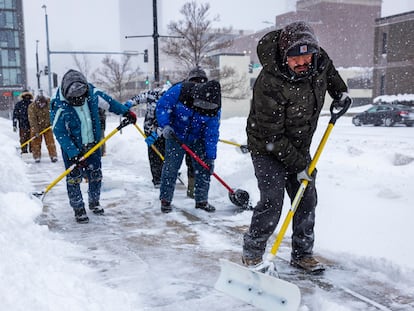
(273, 179)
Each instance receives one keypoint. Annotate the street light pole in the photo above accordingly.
(37, 66)
(49, 75)
(155, 35)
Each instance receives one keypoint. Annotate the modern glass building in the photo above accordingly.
(12, 53)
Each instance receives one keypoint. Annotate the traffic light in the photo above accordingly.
(251, 67)
(46, 71)
(145, 56)
(146, 80)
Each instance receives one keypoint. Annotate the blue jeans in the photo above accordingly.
(94, 174)
(174, 155)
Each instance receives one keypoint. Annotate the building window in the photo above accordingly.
(384, 43)
(382, 85)
(7, 4)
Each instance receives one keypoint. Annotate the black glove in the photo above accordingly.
(344, 101)
(131, 116)
(77, 160)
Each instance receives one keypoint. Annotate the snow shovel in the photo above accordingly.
(238, 197)
(42, 194)
(28, 141)
(243, 148)
(155, 149)
(255, 287)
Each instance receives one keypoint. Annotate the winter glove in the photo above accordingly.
(131, 116)
(168, 132)
(77, 160)
(150, 140)
(304, 175)
(344, 101)
(14, 129)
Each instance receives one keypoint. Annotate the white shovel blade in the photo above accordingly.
(256, 288)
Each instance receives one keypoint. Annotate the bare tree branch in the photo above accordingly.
(83, 65)
(200, 41)
(114, 76)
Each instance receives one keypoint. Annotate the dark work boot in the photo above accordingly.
(166, 206)
(205, 206)
(96, 208)
(80, 215)
(308, 264)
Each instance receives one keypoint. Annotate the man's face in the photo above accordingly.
(299, 64)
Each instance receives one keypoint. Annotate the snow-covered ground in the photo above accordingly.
(364, 219)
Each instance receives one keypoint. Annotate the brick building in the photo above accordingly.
(394, 55)
(345, 29)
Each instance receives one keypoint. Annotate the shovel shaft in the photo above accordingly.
(300, 192)
(152, 146)
(203, 164)
(28, 141)
(155, 149)
(229, 142)
(86, 155)
(243, 148)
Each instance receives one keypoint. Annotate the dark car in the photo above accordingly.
(385, 114)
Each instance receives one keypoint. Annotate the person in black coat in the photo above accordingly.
(288, 97)
(21, 119)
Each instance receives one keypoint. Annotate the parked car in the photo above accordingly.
(385, 114)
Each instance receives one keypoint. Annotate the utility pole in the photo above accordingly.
(155, 36)
(49, 75)
(38, 72)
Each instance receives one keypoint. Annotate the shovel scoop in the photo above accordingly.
(256, 288)
(240, 198)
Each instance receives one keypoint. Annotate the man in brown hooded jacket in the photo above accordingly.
(39, 120)
(288, 97)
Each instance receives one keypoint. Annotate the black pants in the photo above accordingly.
(273, 179)
(155, 160)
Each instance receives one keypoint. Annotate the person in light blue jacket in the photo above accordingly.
(189, 113)
(76, 124)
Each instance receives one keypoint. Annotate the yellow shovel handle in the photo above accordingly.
(152, 146)
(86, 155)
(28, 141)
(299, 193)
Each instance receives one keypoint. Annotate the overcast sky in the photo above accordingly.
(93, 25)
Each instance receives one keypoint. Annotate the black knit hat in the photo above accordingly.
(197, 74)
(297, 38)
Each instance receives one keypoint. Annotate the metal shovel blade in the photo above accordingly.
(240, 198)
(258, 289)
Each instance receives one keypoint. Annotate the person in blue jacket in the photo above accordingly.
(189, 113)
(76, 124)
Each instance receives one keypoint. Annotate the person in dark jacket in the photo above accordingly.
(288, 96)
(190, 112)
(150, 98)
(76, 125)
(39, 118)
(21, 118)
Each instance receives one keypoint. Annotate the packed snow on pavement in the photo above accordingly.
(136, 258)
